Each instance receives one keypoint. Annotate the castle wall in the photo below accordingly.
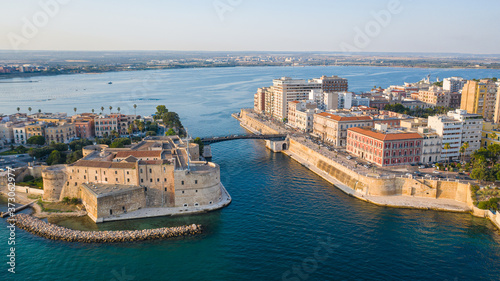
(54, 178)
(199, 186)
(159, 180)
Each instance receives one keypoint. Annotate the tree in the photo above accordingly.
(120, 143)
(18, 109)
(200, 144)
(447, 146)
(170, 132)
(74, 156)
(93, 110)
(118, 109)
(110, 108)
(29, 109)
(135, 109)
(130, 129)
(493, 136)
(39, 140)
(54, 158)
(102, 109)
(74, 109)
(39, 111)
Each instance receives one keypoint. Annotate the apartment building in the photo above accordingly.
(332, 83)
(453, 84)
(285, 90)
(332, 127)
(19, 131)
(63, 132)
(301, 114)
(105, 125)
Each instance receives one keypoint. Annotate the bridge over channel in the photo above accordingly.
(211, 140)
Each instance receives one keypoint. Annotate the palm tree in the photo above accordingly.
(29, 109)
(102, 108)
(39, 111)
(462, 151)
(93, 110)
(18, 109)
(447, 146)
(118, 110)
(135, 109)
(493, 136)
(110, 108)
(74, 109)
(465, 146)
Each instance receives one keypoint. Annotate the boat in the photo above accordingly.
(110, 83)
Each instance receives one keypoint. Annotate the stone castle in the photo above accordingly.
(157, 176)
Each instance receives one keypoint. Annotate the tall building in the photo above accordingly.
(259, 100)
(300, 114)
(332, 83)
(455, 129)
(496, 114)
(489, 99)
(473, 97)
(453, 84)
(287, 89)
(63, 132)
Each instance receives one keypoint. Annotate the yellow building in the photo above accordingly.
(34, 130)
(476, 99)
(490, 134)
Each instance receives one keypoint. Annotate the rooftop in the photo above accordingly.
(345, 117)
(386, 136)
(101, 190)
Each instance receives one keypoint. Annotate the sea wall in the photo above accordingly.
(249, 121)
(368, 185)
(54, 232)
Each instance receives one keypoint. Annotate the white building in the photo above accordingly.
(360, 101)
(286, 90)
(456, 128)
(432, 145)
(453, 84)
(19, 131)
(345, 100)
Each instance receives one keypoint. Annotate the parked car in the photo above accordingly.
(435, 172)
(422, 167)
(349, 157)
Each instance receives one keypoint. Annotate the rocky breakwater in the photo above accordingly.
(55, 232)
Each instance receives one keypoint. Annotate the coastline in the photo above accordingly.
(393, 201)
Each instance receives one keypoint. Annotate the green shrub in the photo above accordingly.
(28, 178)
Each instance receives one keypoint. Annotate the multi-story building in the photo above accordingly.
(84, 128)
(360, 101)
(472, 124)
(454, 99)
(496, 114)
(6, 133)
(490, 99)
(432, 145)
(123, 122)
(19, 131)
(453, 84)
(455, 129)
(332, 128)
(287, 89)
(35, 129)
(384, 147)
(490, 134)
(63, 132)
(259, 101)
(105, 125)
(345, 100)
(300, 114)
(332, 83)
(473, 97)
(434, 96)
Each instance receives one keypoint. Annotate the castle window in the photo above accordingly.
(110, 212)
(182, 182)
(142, 180)
(150, 180)
(165, 179)
(105, 179)
(96, 178)
(116, 172)
(185, 205)
(116, 179)
(210, 202)
(196, 204)
(67, 183)
(105, 172)
(158, 179)
(183, 192)
(195, 181)
(196, 190)
(127, 172)
(165, 189)
(84, 177)
(145, 189)
(150, 170)
(76, 183)
(70, 177)
(141, 171)
(128, 180)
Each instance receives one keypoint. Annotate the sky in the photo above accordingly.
(442, 26)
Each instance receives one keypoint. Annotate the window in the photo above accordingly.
(116, 172)
(150, 170)
(150, 180)
(185, 205)
(182, 182)
(183, 192)
(128, 180)
(195, 181)
(127, 172)
(142, 180)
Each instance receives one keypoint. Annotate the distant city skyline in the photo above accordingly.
(238, 25)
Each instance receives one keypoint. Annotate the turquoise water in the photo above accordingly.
(285, 222)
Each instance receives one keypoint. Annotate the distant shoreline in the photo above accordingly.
(38, 74)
